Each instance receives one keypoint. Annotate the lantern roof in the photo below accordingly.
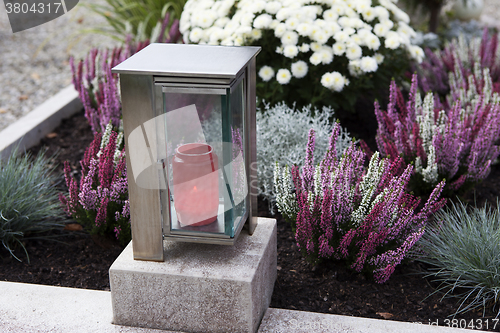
(188, 60)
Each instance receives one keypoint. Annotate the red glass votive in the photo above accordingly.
(196, 184)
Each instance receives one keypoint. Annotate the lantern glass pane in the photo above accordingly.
(205, 161)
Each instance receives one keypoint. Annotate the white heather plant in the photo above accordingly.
(282, 133)
(327, 50)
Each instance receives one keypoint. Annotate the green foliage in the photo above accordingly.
(141, 19)
(464, 251)
(28, 199)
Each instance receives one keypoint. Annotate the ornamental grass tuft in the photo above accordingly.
(463, 251)
(28, 199)
(340, 210)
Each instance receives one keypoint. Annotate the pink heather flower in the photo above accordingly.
(102, 212)
(460, 141)
(117, 231)
(324, 223)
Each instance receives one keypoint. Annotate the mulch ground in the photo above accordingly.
(79, 260)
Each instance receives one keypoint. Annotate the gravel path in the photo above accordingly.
(34, 63)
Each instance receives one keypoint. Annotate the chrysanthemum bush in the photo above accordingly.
(282, 132)
(457, 144)
(323, 52)
(98, 88)
(341, 210)
(462, 249)
(461, 58)
(100, 203)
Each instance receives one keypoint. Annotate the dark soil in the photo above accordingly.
(82, 261)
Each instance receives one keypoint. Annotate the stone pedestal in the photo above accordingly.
(199, 287)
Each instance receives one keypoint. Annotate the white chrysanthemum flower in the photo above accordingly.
(221, 22)
(369, 14)
(266, 73)
(388, 23)
(279, 49)
(207, 18)
(256, 34)
(263, 21)
(417, 53)
(372, 42)
(315, 47)
(283, 14)
(227, 42)
(344, 22)
(290, 38)
(363, 33)
(356, 23)
(304, 29)
(362, 6)
(330, 15)
(349, 12)
(353, 52)
(238, 41)
(327, 80)
(316, 58)
(304, 48)
(310, 12)
(327, 55)
(290, 51)
(321, 37)
(356, 39)
(380, 30)
(273, 7)
(195, 35)
(243, 30)
(368, 64)
(257, 6)
(299, 69)
(392, 40)
(379, 58)
(280, 30)
(283, 76)
(331, 28)
(292, 23)
(339, 8)
(334, 81)
(338, 49)
(341, 36)
(382, 13)
(401, 15)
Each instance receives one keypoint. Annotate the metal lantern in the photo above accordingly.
(189, 124)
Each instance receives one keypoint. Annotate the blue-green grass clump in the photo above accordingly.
(29, 202)
(463, 249)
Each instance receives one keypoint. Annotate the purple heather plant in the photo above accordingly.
(98, 87)
(457, 144)
(463, 59)
(100, 203)
(340, 210)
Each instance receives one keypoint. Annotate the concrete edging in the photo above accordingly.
(28, 130)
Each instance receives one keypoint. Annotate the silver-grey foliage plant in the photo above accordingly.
(463, 249)
(282, 133)
(28, 199)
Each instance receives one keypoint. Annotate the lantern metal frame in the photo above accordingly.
(180, 68)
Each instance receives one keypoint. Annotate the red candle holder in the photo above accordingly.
(195, 184)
